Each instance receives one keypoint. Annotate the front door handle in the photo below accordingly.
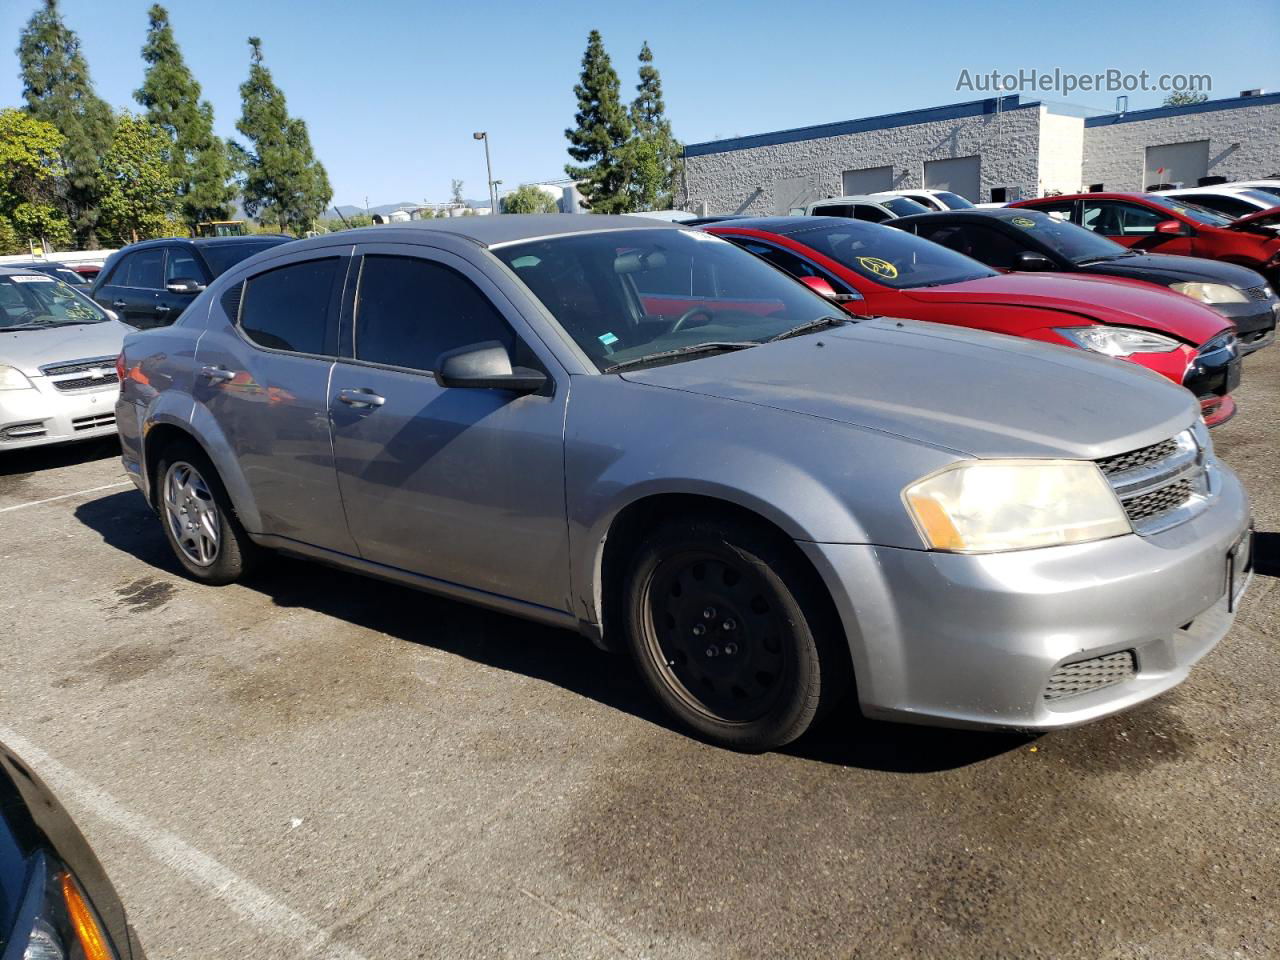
(360, 397)
(217, 374)
(119, 304)
(163, 308)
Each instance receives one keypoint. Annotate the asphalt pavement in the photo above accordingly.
(319, 765)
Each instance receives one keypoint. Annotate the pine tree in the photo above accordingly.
(654, 155)
(603, 129)
(283, 181)
(58, 90)
(198, 159)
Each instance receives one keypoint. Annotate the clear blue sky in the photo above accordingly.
(392, 89)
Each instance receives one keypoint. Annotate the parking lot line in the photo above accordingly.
(241, 895)
(68, 496)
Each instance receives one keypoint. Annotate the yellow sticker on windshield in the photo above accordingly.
(1026, 222)
(881, 268)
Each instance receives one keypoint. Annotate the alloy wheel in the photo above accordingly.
(191, 513)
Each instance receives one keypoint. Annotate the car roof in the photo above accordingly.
(490, 231)
(974, 214)
(15, 269)
(209, 241)
(876, 198)
(1110, 195)
(786, 226)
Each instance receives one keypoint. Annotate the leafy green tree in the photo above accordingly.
(653, 156)
(198, 158)
(140, 193)
(529, 199)
(599, 141)
(283, 182)
(1184, 99)
(58, 90)
(31, 176)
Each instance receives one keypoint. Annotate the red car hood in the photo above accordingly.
(1110, 300)
(1263, 218)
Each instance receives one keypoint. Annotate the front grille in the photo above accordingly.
(80, 383)
(1259, 293)
(23, 431)
(1138, 458)
(93, 422)
(78, 366)
(1084, 676)
(1159, 485)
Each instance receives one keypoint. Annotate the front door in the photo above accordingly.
(462, 485)
(1132, 225)
(133, 289)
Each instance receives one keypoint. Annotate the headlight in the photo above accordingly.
(1118, 341)
(11, 378)
(1210, 292)
(57, 921)
(984, 506)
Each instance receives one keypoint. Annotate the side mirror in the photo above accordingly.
(821, 287)
(1031, 261)
(111, 313)
(486, 366)
(1172, 228)
(183, 285)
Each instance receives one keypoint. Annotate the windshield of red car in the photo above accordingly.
(1209, 218)
(626, 294)
(891, 257)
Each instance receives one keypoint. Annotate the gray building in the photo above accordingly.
(999, 148)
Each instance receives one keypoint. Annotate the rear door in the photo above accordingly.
(133, 289)
(263, 370)
(462, 485)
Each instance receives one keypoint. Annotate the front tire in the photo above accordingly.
(727, 627)
(198, 519)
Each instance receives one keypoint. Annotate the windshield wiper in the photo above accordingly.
(712, 346)
(1110, 256)
(820, 324)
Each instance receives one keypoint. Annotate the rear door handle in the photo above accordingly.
(217, 374)
(119, 304)
(163, 308)
(360, 397)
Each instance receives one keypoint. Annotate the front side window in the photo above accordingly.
(143, 269)
(953, 200)
(869, 213)
(1113, 218)
(1058, 211)
(834, 210)
(623, 296)
(288, 308)
(410, 310)
(1070, 241)
(181, 265)
(36, 301)
(891, 257)
(792, 263)
(221, 257)
(904, 206)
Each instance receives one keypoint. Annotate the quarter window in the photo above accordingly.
(288, 308)
(410, 310)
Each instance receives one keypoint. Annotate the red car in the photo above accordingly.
(1156, 224)
(875, 270)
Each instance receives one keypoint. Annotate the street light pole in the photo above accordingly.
(493, 193)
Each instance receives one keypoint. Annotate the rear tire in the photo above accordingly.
(198, 518)
(727, 627)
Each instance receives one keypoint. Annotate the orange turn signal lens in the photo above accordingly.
(92, 940)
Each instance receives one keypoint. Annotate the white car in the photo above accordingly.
(1229, 199)
(58, 350)
(1271, 186)
(935, 199)
(874, 207)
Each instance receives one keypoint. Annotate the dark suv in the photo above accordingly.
(149, 284)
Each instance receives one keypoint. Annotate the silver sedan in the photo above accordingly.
(643, 433)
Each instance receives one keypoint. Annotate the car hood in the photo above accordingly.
(29, 350)
(975, 393)
(1167, 268)
(1111, 300)
(1263, 218)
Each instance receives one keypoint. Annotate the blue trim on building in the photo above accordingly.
(952, 111)
(1156, 113)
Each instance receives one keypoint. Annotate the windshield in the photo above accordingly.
(1199, 214)
(904, 206)
(1272, 191)
(891, 257)
(953, 200)
(35, 300)
(221, 257)
(1075, 243)
(625, 295)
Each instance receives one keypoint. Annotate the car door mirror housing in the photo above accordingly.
(182, 285)
(1172, 228)
(1031, 261)
(820, 286)
(486, 366)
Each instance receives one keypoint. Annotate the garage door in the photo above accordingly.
(790, 193)
(961, 175)
(1183, 163)
(866, 180)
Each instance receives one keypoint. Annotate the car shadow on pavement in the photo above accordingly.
(37, 459)
(553, 655)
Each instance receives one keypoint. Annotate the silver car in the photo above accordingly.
(643, 433)
(58, 354)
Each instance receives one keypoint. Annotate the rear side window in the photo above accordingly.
(288, 308)
(409, 311)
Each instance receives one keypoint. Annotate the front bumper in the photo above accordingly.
(1255, 322)
(974, 640)
(33, 418)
